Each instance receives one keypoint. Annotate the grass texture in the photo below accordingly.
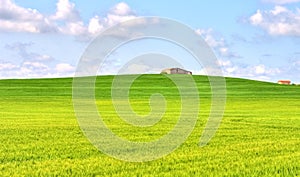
(259, 134)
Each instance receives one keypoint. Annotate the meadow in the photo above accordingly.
(40, 136)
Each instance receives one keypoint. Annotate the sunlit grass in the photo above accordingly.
(40, 136)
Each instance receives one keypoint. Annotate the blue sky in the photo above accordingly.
(258, 39)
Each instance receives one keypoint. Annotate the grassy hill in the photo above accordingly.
(40, 136)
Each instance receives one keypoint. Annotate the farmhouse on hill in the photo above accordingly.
(175, 71)
(284, 82)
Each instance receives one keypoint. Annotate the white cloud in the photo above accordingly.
(35, 70)
(257, 18)
(25, 70)
(9, 10)
(279, 9)
(43, 57)
(66, 10)
(66, 20)
(64, 68)
(73, 28)
(95, 26)
(217, 43)
(260, 69)
(21, 49)
(113, 19)
(31, 69)
(257, 72)
(7, 66)
(121, 9)
(69, 15)
(19, 19)
(35, 66)
(279, 21)
(209, 38)
(119, 13)
(281, 1)
(224, 62)
(72, 23)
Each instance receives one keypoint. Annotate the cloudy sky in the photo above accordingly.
(257, 39)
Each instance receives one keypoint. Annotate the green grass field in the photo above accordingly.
(259, 134)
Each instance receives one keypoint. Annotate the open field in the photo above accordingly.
(40, 136)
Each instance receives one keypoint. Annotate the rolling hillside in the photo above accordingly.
(259, 134)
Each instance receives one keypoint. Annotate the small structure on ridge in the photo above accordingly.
(175, 71)
(284, 82)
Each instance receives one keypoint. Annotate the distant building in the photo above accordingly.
(285, 82)
(175, 71)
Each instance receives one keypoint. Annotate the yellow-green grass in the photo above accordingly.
(259, 134)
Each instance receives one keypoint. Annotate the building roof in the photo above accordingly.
(284, 81)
